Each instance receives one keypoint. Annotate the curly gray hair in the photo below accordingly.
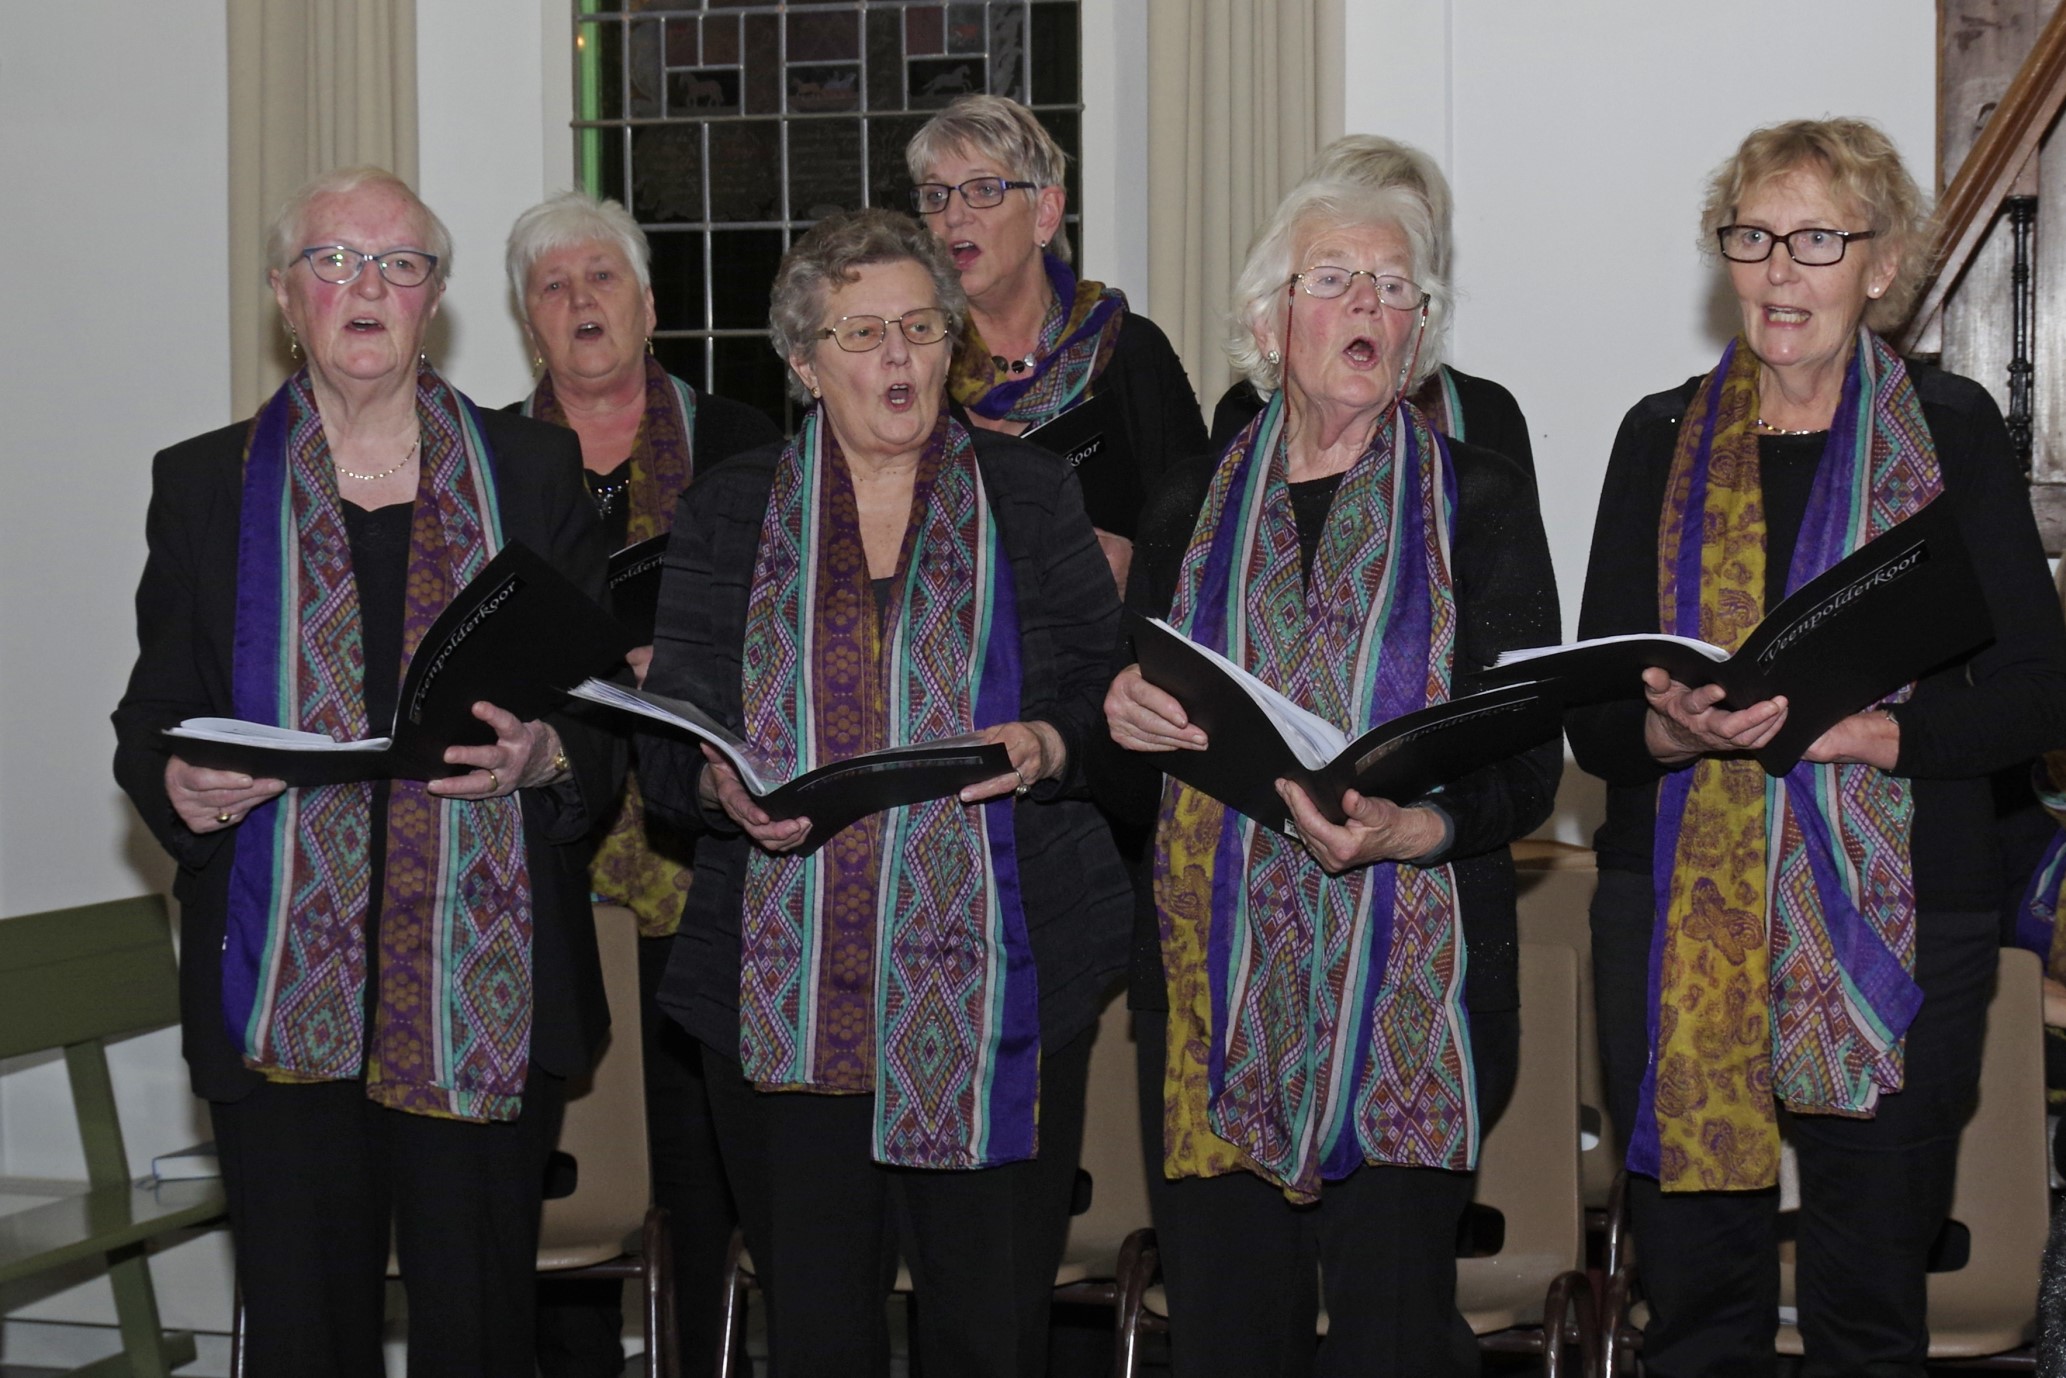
(831, 255)
(573, 217)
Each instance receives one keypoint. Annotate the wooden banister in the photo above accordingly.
(2009, 140)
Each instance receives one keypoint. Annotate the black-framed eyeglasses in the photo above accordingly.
(342, 264)
(1812, 246)
(1325, 281)
(860, 334)
(977, 193)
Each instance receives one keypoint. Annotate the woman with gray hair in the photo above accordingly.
(989, 184)
(933, 972)
(1347, 553)
(1457, 404)
(384, 986)
(580, 271)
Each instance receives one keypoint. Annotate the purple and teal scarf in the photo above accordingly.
(451, 1031)
(626, 869)
(894, 960)
(1780, 970)
(1076, 342)
(2037, 919)
(1316, 1022)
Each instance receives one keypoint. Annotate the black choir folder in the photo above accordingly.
(1899, 606)
(836, 794)
(1091, 437)
(634, 583)
(1256, 736)
(516, 636)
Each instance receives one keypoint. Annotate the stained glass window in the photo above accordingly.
(729, 126)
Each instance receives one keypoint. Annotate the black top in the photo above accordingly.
(1163, 423)
(1075, 889)
(2005, 705)
(722, 428)
(186, 628)
(1492, 420)
(1505, 597)
(1311, 500)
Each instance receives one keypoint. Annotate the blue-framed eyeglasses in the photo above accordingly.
(341, 264)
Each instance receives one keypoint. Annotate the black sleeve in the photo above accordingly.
(1493, 421)
(168, 683)
(1621, 592)
(725, 428)
(1238, 406)
(2010, 705)
(1506, 598)
(1166, 422)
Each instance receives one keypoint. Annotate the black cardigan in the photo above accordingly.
(1492, 420)
(186, 628)
(1506, 597)
(2004, 705)
(1075, 889)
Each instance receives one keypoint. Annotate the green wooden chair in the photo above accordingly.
(74, 979)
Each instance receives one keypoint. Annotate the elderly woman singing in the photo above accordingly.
(1823, 940)
(897, 1025)
(384, 986)
(1341, 1018)
(580, 269)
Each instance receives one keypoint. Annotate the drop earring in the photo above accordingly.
(649, 344)
(293, 345)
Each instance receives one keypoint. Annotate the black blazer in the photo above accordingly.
(185, 631)
(1076, 893)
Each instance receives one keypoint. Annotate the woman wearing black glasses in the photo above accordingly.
(1824, 940)
(1332, 1017)
(897, 1024)
(1041, 341)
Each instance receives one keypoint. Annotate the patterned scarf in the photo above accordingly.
(1316, 1022)
(1785, 929)
(1438, 400)
(894, 960)
(1074, 348)
(629, 869)
(451, 1029)
(2037, 919)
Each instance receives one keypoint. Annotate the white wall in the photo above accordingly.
(113, 154)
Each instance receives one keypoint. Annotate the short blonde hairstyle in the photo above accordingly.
(1002, 131)
(1312, 208)
(1859, 165)
(563, 221)
(1372, 160)
(285, 238)
(831, 255)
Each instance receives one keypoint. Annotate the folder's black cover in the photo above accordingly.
(1896, 608)
(518, 635)
(1092, 437)
(1400, 760)
(634, 583)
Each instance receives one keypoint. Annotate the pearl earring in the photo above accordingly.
(1274, 357)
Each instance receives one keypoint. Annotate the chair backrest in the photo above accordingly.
(1556, 882)
(2002, 1196)
(1111, 1143)
(1528, 1165)
(73, 978)
(605, 1125)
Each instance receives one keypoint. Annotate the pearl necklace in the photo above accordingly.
(392, 469)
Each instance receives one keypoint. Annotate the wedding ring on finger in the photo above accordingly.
(1025, 786)
(223, 819)
(494, 782)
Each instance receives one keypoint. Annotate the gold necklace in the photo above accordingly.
(1769, 429)
(394, 468)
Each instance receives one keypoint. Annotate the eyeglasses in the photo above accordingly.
(1813, 247)
(342, 264)
(860, 334)
(978, 194)
(1327, 282)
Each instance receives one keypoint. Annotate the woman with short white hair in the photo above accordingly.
(1346, 552)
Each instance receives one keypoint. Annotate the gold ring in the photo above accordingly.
(1025, 786)
(222, 818)
(494, 782)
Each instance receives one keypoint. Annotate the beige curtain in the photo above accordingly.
(1241, 95)
(314, 85)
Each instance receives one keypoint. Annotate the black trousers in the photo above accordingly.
(316, 1174)
(1874, 1193)
(1244, 1268)
(826, 1226)
(581, 1321)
